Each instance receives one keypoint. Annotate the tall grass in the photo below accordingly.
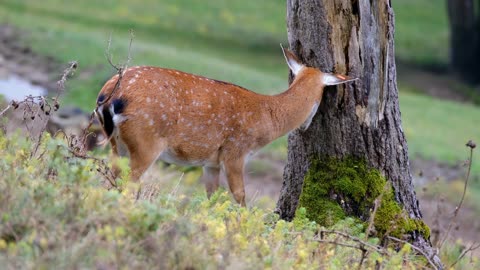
(55, 213)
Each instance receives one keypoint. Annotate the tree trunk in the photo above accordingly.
(361, 120)
(464, 39)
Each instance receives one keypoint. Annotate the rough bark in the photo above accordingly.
(362, 119)
(464, 39)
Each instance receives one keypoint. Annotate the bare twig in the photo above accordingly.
(362, 244)
(102, 166)
(472, 146)
(472, 247)
(415, 248)
(364, 256)
(60, 89)
(129, 58)
(175, 189)
(109, 55)
(120, 69)
(5, 110)
(377, 204)
(61, 83)
(337, 243)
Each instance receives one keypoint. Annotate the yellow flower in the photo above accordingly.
(43, 242)
(3, 244)
(240, 241)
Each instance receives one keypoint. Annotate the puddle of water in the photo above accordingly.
(15, 87)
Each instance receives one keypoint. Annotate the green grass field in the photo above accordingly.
(235, 41)
(421, 32)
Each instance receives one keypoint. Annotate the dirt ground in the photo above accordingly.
(17, 58)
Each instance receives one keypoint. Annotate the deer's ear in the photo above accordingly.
(292, 61)
(334, 79)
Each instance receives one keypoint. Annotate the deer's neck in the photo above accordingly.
(295, 107)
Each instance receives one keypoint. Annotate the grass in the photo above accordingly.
(233, 41)
(438, 129)
(421, 32)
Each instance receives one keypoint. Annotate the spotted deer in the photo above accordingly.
(181, 118)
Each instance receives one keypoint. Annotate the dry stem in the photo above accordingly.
(471, 145)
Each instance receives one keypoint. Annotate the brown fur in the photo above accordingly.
(204, 122)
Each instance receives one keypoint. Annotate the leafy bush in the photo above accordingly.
(56, 213)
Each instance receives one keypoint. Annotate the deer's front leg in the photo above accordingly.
(143, 154)
(211, 178)
(234, 173)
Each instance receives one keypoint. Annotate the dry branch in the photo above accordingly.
(470, 144)
(471, 248)
(415, 248)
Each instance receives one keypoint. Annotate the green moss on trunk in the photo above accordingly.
(334, 189)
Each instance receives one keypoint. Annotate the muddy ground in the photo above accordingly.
(18, 58)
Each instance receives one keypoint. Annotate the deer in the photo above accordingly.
(186, 119)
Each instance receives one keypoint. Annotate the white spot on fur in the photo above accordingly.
(131, 81)
(146, 116)
(151, 122)
(148, 100)
(164, 116)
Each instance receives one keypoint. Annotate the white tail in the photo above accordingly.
(192, 120)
